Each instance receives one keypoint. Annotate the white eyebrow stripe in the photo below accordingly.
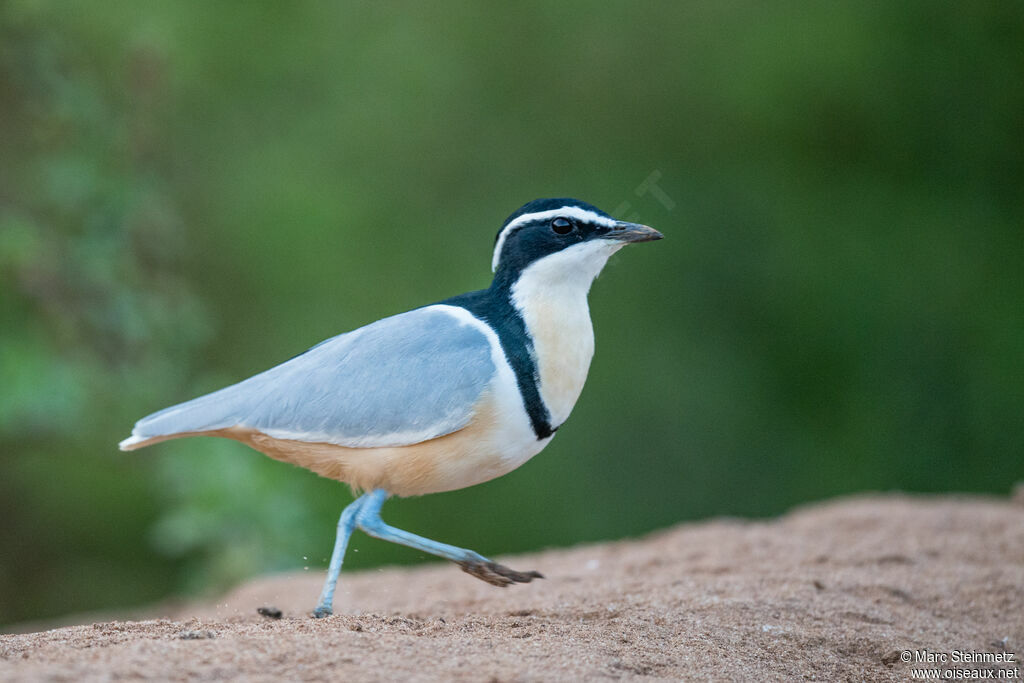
(567, 211)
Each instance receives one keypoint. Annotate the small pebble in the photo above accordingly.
(196, 635)
(269, 612)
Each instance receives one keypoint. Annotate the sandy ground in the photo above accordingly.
(829, 592)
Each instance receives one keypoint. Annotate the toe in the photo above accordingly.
(498, 575)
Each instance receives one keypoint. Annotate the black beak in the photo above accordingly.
(633, 232)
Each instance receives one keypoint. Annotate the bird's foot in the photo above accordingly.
(321, 612)
(496, 574)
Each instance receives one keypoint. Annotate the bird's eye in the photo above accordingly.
(562, 226)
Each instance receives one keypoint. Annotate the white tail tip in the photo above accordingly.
(130, 443)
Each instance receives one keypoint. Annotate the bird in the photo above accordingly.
(439, 398)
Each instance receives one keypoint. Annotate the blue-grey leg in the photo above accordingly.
(368, 519)
(346, 523)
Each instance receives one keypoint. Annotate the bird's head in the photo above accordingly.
(563, 240)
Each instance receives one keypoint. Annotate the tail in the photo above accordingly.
(219, 410)
(137, 441)
(134, 442)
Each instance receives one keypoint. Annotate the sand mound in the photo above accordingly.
(832, 592)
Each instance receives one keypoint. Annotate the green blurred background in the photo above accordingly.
(191, 192)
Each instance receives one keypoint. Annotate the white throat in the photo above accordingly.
(551, 295)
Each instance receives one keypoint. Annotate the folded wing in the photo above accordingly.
(398, 381)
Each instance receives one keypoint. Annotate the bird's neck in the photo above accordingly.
(551, 297)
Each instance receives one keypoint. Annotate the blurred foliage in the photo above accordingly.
(192, 192)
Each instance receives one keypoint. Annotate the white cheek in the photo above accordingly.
(574, 267)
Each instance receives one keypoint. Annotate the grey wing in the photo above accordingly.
(398, 381)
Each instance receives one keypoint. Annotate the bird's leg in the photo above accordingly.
(346, 523)
(368, 519)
